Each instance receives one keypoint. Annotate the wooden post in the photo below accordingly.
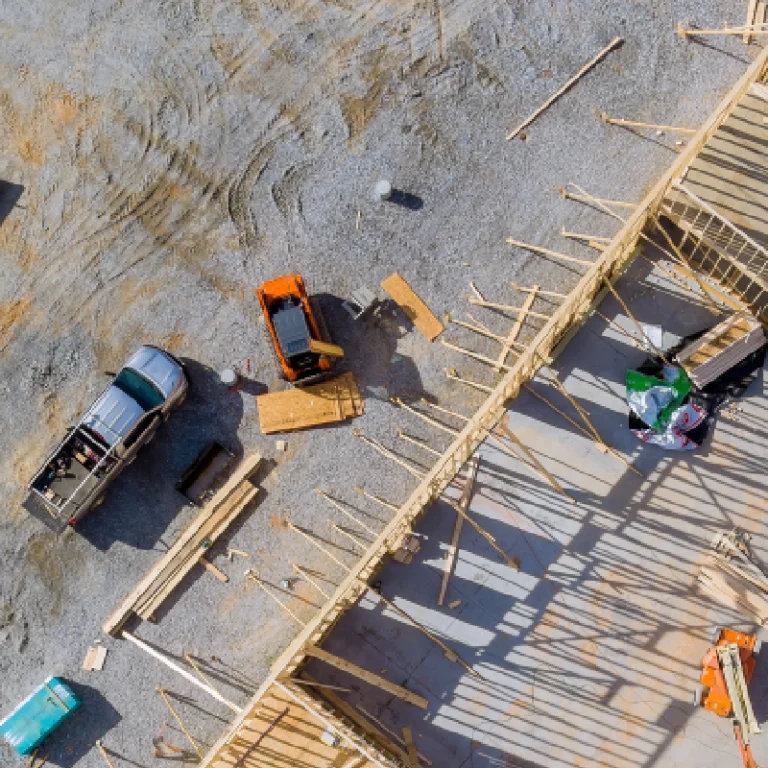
(183, 672)
(555, 96)
(419, 443)
(634, 124)
(639, 327)
(340, 530)
(348, 514)
(301, 572)
(369, 677)
(312, 541)
(476, 355)
(507, 344)
(104, 754)
(413, 755)
(565, 194)
(548, 252)
(506, 308)
(251, 574)
(377, 499)
(197, 749)
(188, 658)
(580, 236)
(464, 502)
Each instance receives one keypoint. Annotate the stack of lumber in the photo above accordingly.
(735, 580)
(167, 573)
(720, 349)
(325, 403)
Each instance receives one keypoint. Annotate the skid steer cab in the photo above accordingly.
(297, 329)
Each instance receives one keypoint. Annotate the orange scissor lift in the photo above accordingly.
(727, 669)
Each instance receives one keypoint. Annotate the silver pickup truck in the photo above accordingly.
(73, 479)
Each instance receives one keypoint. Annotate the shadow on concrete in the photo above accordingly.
(590, 653)
(406, 200)
(10, 194)
(370, 345)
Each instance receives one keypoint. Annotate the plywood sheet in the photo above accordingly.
(325, 403)
(416, 310)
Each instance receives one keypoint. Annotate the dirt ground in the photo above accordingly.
(160, 160)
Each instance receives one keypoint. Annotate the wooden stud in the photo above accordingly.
(573, 196)
(580, 236)
(348, 535)
(451, 654)
(476, 291)
(548, 252)
(450, 373)
(318, 545)
(685, 33)
(345, 512)
(506, 308)
(639, 327)
(176, 668)
(103, 752)
(651, 126)
(301, 572)
(394, 735)
(420, 443)
(194, 744)
(413, 755)
(327, 686)
(354, 716)
(211, 568)
(477, 329)
(261, 737)
(508, 343)
(555, 96)
(751, 13)
(503, 427)
(369, 677)
(251, 574)
(464, 502)
(389, 454)
(476, 355)
(191, 661)
(338, 727)
(377, 499)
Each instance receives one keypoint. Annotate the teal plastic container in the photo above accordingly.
(41, 713)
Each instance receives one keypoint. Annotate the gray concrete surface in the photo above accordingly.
(590, 654)
(162, 159)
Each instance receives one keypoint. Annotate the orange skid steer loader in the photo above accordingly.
(297, 328)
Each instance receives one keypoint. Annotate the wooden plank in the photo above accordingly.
(751, 11)
(516, 328)
(413, 755)
(325, 403)
(211, 568)
(361, 722)
(89, 659)
(127, 607)
(555, 96)
(325, 348)
(146, 608)
(577, 306)
(415, 309)
(466, 498)
(369, 677)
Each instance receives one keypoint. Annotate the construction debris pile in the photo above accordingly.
(673, 406)
(731, 575)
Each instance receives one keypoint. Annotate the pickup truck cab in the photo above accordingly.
(73, 479)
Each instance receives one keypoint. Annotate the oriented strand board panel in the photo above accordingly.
(293, 741)
(325, 403)
(416, 310)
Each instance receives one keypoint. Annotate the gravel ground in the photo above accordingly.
(162, 159)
